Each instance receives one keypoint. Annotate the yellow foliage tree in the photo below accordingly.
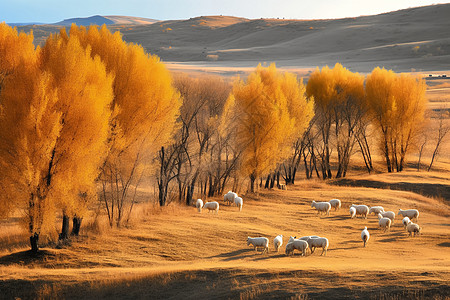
(267, 112)
(397, 103)
(145, 107)
(53, 129)
(339, 99)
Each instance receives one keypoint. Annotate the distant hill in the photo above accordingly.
(416, 38)
(94, 20)
(108, 20)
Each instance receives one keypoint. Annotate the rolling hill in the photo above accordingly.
(416, 38)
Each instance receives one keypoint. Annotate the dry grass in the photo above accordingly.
(173, 251)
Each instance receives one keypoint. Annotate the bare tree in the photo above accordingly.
(444, 128)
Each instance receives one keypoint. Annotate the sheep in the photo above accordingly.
(335, 203)
(199, 205)
(322, 207)
(291, 239)
(352, 212)
(297, 244)
(406, 221)
(319, 242)
(229, 197)
(410, 213)
(376, 210)
(306, 238)
(413, 227)
(277, 242)
(259, 242)
(365, 236)
(362, 210)
(384, 222)
(212, 206)
(239, 202)
(388, 214)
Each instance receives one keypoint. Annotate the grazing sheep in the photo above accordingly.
(212, 206)
(229, 197)
(376, 210)
(335, 203)
(389, 214)
(365, 236)
(406, 221)
(259, 242)
(352, 212)
(306, 238)
(277, 242)
(413, 227)
(410, 213)
(322, 207)
(319, 242)
(239, 202)
(199, 205)
(297, 245)
(384, 223)
(362, 210)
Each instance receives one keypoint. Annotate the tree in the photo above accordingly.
(340, 105)
(268, 111)
(55, 115)
(144, 111)
(397, 104)
(443, 130)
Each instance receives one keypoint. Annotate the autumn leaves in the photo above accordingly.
(85, 106)
(89, 111)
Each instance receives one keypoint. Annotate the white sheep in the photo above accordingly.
(413, 227)
(335, 203)
(352, 212)
(306, 238)
(376, 210)
(406, 221)
(322, 207)
(297, 245)
(365, 236)
(389, 214)
(362, 210)
(277, 242)
(319, 242)
(238, 202)
(212, 206)
(199, 205)
(410, 213)
(259, 242)
(229, 197)
(384, 223)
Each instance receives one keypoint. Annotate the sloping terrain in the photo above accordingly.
(405, 40)
(176, 252)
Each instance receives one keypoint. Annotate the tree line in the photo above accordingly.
(88, 117)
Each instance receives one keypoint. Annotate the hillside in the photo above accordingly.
(404, 40)
(175, 252)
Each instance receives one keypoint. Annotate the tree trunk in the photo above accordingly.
(272, 181)
(252, 183)
(34, 239)
(266, 186)
(386, 154)
(64, 235)
(76, 222)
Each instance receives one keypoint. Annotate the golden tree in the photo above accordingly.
(339, 99)
(397, 103)
(267, 112)
(53, 129)
(145, 107)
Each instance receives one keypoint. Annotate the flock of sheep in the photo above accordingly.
(385, 221)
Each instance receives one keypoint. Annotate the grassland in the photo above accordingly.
(175, 252)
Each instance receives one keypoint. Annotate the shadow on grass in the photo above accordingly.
(26, 257)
